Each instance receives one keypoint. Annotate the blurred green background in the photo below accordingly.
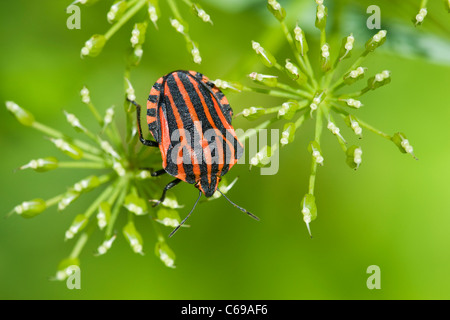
(393, 212)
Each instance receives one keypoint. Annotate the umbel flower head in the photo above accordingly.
(315, 95)
(118, 178)
(121, 11)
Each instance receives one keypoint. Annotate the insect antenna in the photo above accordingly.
(240, 208)
(184, 220)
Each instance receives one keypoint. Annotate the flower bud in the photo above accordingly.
(321, 16)
(325, 57)
(77, 225)
(266, 57)
(74, 122)
(153, 13)
(133, 237)
(118, 168)
(354, 125)
(352, 103)
(85, 96)
(288, 133)
(135, 205)
(222, 84)
(354, 157)
(253, 113)
(106, 146)
(263, 157)
(403, 144)
(86, 184)
(318, 98)
(276, 9)
(109, 116)
(309, 209)
(202, 13)
(177, 25)
(195, 54)
(69, 149)
(288, 109)
(314, 148)
(105, 246)
(268, 80)
(380, 79)
(116, 11)
(300, 41)
(376, 41)
(166, 254)
(294, 73)
(138, 34)
(42, 164)
(354, 75)
(335, 130)
(418, 19)
(30, 209)
(103, 215)
(143, 175)
(93, 46)
(69, 197)
(64, 268)
(168, 217)
(347, 47)
(22, 115)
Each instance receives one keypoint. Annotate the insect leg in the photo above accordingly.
(170, 185)
(158, 173)
(145, 142)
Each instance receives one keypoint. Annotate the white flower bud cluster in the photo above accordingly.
(137, 210)
(298, 33)
(168, 261)
(106, 146)
(85, 96)
(325, 51)
(421, 15)
(320, 10)
(222, 84)
(274, 4)
(66, 200)
(88, 45)
(196, 55)
(408, 148)
(152, 13)
(35, 164)
(130, 91)
(24, 206)
(177, 25)
(291, 68)
(117, 166)
(204, 16)
(136, 246)
(260, 77)
(318, 158)
(353, 103)
(355, 126)
(379, 77)
(82, 185)
(109, 116)
(63, 146)
(135, 36)
(106, 245)
(379, 36)
(357, 72)
(350, 41)
(315, 103)
(250, 111)
(111, 15)
(284, 109)
(74, 121)
(335, 130)
(357, 157)
(101, 219)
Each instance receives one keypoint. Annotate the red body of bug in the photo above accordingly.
(190, 120)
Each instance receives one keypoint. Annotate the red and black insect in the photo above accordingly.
(190, 120)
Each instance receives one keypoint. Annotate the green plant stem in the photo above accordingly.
(302, 93)
(95, 113)
(131, 12)
(251, 132)
(317, 134)
(99, 200)
(54, 200)
(79, 245)
(271, 92)
(340, 81)
(83, 165)
(122, 187)
(173, 6)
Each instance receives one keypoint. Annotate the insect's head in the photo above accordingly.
(208, 185)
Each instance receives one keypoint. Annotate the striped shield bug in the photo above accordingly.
(190, 120)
